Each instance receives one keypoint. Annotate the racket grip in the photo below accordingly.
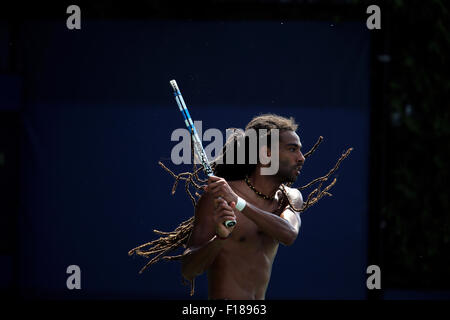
(229, 223)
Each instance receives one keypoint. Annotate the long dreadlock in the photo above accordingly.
(170, 241)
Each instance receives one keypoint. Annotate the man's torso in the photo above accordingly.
(243, 267)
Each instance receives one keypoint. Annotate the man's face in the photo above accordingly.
(291, 157)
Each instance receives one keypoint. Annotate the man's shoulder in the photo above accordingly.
(292, 191)
(235, 183)
(294, 195)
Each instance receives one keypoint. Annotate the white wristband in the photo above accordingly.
(240, 204)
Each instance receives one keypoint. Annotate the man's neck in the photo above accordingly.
(266, 184)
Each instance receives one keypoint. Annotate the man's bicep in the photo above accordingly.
(203, 229)
(292, 217)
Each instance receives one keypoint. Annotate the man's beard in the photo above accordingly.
(288, 178)
(287, 173)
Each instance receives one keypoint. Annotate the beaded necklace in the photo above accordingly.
(262, 195)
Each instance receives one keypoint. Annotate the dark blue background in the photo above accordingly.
(98, 116)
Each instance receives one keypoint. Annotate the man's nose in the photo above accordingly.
(301, 158)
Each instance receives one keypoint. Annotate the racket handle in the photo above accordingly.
(229, 223)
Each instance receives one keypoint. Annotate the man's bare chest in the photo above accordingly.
(247, 236)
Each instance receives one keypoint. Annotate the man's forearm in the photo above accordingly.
(197, 260)
(275, 226)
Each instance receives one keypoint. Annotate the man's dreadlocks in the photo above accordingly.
(170, 241)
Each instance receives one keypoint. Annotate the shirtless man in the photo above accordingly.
(239, 259)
